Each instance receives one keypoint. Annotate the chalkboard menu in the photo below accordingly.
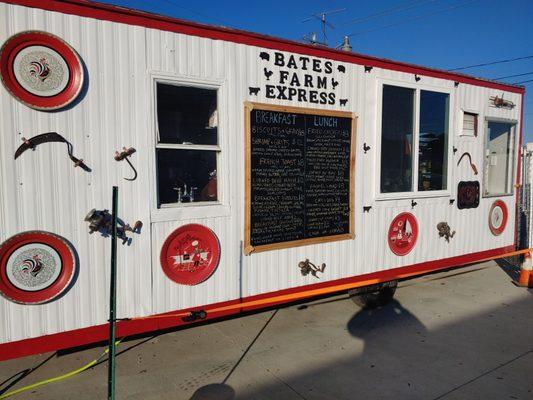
(299, 176)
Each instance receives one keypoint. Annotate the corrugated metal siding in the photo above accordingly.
(41, 190)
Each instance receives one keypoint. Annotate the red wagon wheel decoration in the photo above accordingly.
(35, 267)
(190, 254)
(40, 70)
(403, 232)
(498, 217)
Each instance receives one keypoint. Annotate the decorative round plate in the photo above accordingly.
(35, 267)
(498, 217)
(190, 254)
(40, 70)
(403, 232)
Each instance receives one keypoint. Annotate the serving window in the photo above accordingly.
(187, 146)
(499, 150)
(414, 140)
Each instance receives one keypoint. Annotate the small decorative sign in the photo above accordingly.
(498, 217)
(467, 194)
(190, 254)
(403, 232)
(40, 70)
(35, 267)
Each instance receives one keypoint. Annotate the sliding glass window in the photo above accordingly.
(397, 139)
(433, 141)
(408, 147)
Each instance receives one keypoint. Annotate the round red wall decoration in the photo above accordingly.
(40, 70)
(403, 232)
(498, 217)
(190, 254)
(35, 267)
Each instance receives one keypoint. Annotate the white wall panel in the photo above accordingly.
(41, 190)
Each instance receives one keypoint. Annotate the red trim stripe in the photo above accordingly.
(99, 333)
(112, 13)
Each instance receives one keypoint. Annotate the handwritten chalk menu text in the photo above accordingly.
(299, 176)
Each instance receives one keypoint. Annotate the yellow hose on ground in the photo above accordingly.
(60, 377)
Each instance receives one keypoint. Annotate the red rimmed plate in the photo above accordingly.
(403, 233)
(41, 70)
(498, 217)
(190, 254)
(35, 267)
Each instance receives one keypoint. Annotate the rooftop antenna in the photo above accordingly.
(321, 16)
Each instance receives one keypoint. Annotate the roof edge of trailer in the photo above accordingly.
(113, 13)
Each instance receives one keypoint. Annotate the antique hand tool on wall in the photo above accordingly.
(123, 155)
(50, 137)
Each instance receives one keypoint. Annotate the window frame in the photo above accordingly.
(414, 193)
(512, 157)
(179, 211)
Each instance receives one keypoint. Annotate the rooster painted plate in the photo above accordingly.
(35, 267)
(190, 255)
(41, 70)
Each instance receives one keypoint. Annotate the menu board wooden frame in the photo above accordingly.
(248, 107)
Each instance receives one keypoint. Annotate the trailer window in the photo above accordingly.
(408, 147)
(498, 173)
(469, 124)
(433, 141)
(187, 144)
(397, 139)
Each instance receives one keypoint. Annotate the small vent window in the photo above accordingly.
(469, 124)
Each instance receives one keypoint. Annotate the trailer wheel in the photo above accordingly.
(374, 295)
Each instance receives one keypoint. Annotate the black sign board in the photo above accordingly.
(467, 194)
(299, 176)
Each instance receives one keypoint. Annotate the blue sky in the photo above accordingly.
(438, 33)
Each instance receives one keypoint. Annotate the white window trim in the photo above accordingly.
(206, 209)
(512, 153)
(415, 194)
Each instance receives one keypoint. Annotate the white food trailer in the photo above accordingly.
(259, 170)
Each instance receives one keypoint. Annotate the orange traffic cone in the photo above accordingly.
(526, 274)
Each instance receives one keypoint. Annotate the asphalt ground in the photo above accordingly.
(461, 334)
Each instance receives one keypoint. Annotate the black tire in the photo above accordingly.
(374, 296)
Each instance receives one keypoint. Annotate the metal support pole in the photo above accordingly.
(112, 299)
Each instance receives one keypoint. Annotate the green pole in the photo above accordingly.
(112, 299)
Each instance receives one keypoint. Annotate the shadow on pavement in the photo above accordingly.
(214, 391)
(14, 379)
(391, 317)
(476, 357)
